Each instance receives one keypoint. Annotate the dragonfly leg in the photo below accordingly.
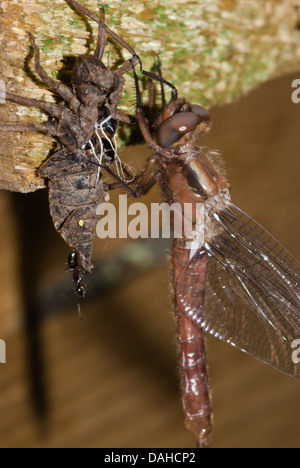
(140, 116)
(57, 86)
(48, 107)
(102, 37)
(27, 127)
(86, 12)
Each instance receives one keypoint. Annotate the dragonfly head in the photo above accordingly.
(180, 121)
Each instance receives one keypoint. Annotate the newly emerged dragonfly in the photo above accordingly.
(231, 279)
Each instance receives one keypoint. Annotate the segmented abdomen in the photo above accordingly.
(75, 191)
(189, 279)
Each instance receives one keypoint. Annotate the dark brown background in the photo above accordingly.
(112, 380)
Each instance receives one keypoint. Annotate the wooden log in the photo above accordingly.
(214, 52)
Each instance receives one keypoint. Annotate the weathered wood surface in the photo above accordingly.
(213, 51)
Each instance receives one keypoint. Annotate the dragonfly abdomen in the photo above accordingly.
(194, 381)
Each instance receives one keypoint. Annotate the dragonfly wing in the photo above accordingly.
(252, 297)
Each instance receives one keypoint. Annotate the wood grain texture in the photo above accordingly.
(213, 51)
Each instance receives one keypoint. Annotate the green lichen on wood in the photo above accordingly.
(213, 51)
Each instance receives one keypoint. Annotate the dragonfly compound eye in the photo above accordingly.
(202, 113)
(173, 128)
